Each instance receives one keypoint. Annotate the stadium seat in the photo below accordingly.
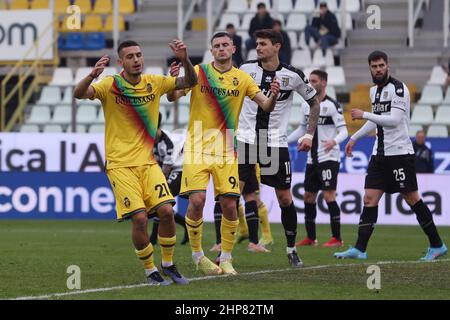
(447, 97)
(352, 6)
(19, 5)
(109, 71)
(237, 6)
(62, 115)
(82, 73)
(86, 114)
(39, 115)
(323, 61)
(301, 59)
(296, 116)
(348, 21)
(438, 76)
(331, 4)
(252, 55)
(29, 128)
(246, 20)
(422, 114)
(50, 96)
(95, 41)
(103, 7)
(244, 35)
(413, 129)
(62, 77)
(254, 5)
(67, 96)
(285, 6)
(154, 70)
(100, 117)
(294, 39)
(109, 24)
(297, 99)
(442, 116)
(126, 7)
(229, 18)
(296, 22)
(183, 114)
(79, 128)
(61, 6)
(437, 131)
(73, 41)
(431, 94)
(52, 128)
(39, 4)
(97, 128)
(207, 56)
(331, 92)
(93, 23)
(85, 6)
(304, 6)
(307, 71)
(336, 76)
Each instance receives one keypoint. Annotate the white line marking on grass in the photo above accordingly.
(142, 285)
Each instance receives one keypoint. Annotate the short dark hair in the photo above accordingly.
(230, 25)
(323, 4)
(220, 35)
(274, 36)
(377, 55)
(261, 5)
(278, 22)
(321, 74)
(126, 44)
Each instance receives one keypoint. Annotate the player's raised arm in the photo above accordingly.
(84, 90)
(190, 76)
(268, 103)
(175, 72)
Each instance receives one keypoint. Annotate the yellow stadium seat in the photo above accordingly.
(39, 4)
(61, 6)
(103, 7)
(64, 26)
(85, 6)
(126, 6)
(93, 23)
(110, 23)
(19, 5)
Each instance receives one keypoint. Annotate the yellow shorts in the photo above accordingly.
(197, 169)
(139, 189)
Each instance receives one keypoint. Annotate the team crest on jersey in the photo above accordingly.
(235, 81)
(126, 202)
(285, 81)
(253, 75)
(149, 88)
(385, 95)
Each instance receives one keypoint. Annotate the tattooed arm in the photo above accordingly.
(305, 142)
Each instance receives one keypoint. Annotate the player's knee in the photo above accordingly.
(411, 198)
(370, 200)
(310, 197)
(197, 201)
(329, 196)
(165, 214)
(140, 221)
(228, 205)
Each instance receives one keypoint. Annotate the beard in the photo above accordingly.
(380, 81)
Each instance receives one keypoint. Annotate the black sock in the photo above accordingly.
(310, 220)
(218, 221)
(367, 223)
(425, 218)
(251, 215)
(154, 235)
(182, 222)
(289, 220)
(335, 219)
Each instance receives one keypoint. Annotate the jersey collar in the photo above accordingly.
(280, 66)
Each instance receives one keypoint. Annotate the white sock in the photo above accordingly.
(197, 256)
(166, 264)
(225, 256)
(290, 250)
(150, 271)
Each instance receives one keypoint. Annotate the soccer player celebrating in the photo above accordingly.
(210, 148)
(392, 165)
(130, 101)
(323, 161)
(262, 136)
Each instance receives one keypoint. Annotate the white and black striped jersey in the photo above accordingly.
(392, 140)
(330, 121)
(254, 122)
(163, 150)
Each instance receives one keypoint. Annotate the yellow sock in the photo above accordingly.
(243, 227)
(228, 230)
(195, 231)
(264, 220)
(167, 249)
(146, 256)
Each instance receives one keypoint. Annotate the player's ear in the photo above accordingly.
(234, 49)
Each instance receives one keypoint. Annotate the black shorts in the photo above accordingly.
(274, 162)
(392, 174)
(174, 182)
(321, 176)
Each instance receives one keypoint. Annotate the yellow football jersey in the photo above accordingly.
(216, 102)
(131, 117)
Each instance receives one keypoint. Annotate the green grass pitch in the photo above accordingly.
(35, 255)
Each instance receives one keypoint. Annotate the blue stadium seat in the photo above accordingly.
(95, 41)
(74, 41)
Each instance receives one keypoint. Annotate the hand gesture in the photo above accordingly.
(304, 143)
(275, 86)
(179, 49)
(99, 67)
(175, 69)
(357, 114)
(329, 145)
(349, 148)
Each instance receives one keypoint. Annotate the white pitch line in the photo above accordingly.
(141, 285)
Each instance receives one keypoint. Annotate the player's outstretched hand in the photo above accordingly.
(349, 148)
(275, 86)
(329, 145)
(305, 143)
(179, 49)
(99, 66)
(357, 114)
(175, 69)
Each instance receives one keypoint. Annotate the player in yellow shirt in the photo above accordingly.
(130, 102)
(210, 148)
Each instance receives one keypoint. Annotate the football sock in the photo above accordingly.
(335, 219)
(228, 231)
(167, 249)
(310, 220)
(264, 220)
(243, 227)
(367, 224)
(425, 219)
(289, 221)
(195, 230)
(217, 220)
(146, 256)
(251, 216)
